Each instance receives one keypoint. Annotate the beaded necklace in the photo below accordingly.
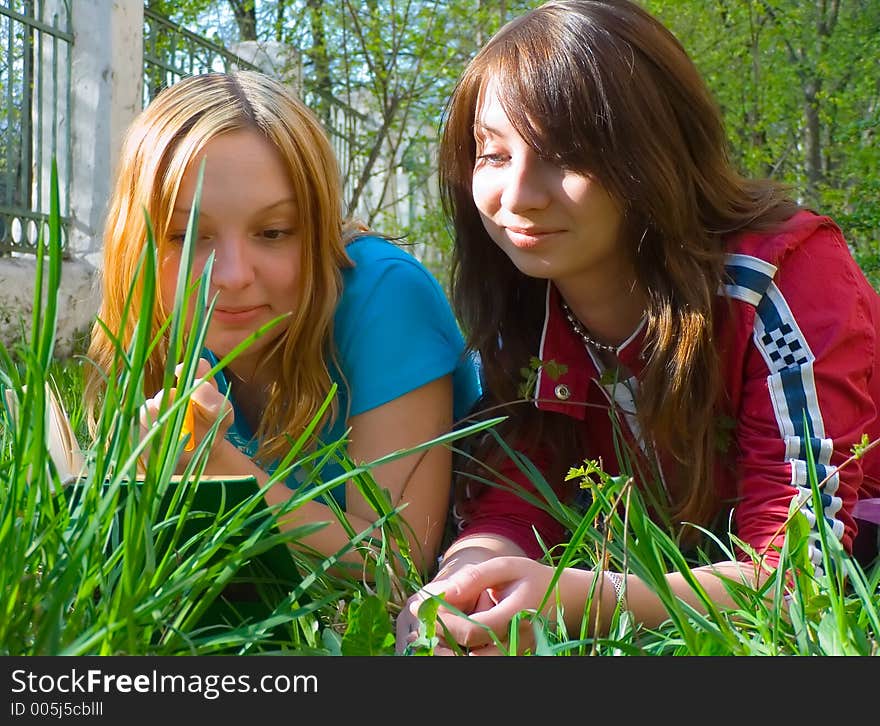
(582, 333)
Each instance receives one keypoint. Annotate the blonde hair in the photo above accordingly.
(158, 147)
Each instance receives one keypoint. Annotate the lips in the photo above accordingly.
(527, 237)
(235, 311)
(238, 315)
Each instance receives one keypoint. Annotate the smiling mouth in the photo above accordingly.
(236, 311)
(238, 315)
(524, 237)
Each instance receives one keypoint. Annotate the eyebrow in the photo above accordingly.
(480, 126)
(267, 208)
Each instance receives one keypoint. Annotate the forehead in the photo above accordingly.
(245, 150)
(238, 165)
(489, 113)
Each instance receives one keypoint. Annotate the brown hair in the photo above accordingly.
(158, 147)
(603, 88)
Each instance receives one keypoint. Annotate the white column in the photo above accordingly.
(107, 72)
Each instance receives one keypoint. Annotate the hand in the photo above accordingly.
(208, 405)
(408, 622)
(490, 594)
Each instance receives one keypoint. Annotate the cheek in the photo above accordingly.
(486, 192)
(169, 266)
(169, 263)
(288, 272)
(587, 198)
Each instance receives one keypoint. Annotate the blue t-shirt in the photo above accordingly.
(394, 332)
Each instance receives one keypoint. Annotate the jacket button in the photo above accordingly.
(562, 393)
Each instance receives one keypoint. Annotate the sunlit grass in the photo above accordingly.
(799, 610)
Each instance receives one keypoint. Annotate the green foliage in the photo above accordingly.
(378, 75)
(529, 375)
(861, 448)
(69, 583)
(797, 83)
(369, 630)
(108, 572)
(799, 610)
(95, 575)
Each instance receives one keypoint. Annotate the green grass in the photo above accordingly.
(108, 572)
(808, 613)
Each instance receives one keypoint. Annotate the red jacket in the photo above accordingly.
(800, 335)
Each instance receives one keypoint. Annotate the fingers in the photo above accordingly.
(492, 593)
(149, 412)
(492, 632)
(472, 631)
(409, 633)
(408, 623)
(410, 639)
(463, 589)
(204, 406)
(465, 593)
(210, 403)
(203, 367)
(409, 630)
(152, 409)
(406, 629)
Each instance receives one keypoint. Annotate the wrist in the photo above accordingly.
(474, 549)
(225, 458)
(573, 588)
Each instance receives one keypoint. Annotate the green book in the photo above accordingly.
(264, 576)
(260, 581)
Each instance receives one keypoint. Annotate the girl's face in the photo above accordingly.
(553, 223)
(247, 219)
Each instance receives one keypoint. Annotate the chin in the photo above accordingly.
(538, 269)
(530, 264)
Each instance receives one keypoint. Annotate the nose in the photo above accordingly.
(233, 267)
(526, 186)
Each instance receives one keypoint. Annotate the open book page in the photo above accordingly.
(61, 441)
(65, 451)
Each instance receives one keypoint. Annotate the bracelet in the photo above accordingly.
(616, 580)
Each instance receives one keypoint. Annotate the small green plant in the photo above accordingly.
(529, 375)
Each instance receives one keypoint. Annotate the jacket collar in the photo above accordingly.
(568, 392)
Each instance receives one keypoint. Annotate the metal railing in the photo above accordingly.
(36, 43)
(35, 60)
(172, 52)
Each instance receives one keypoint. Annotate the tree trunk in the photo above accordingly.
(813, 138)
(320, 62)
(245, 12)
